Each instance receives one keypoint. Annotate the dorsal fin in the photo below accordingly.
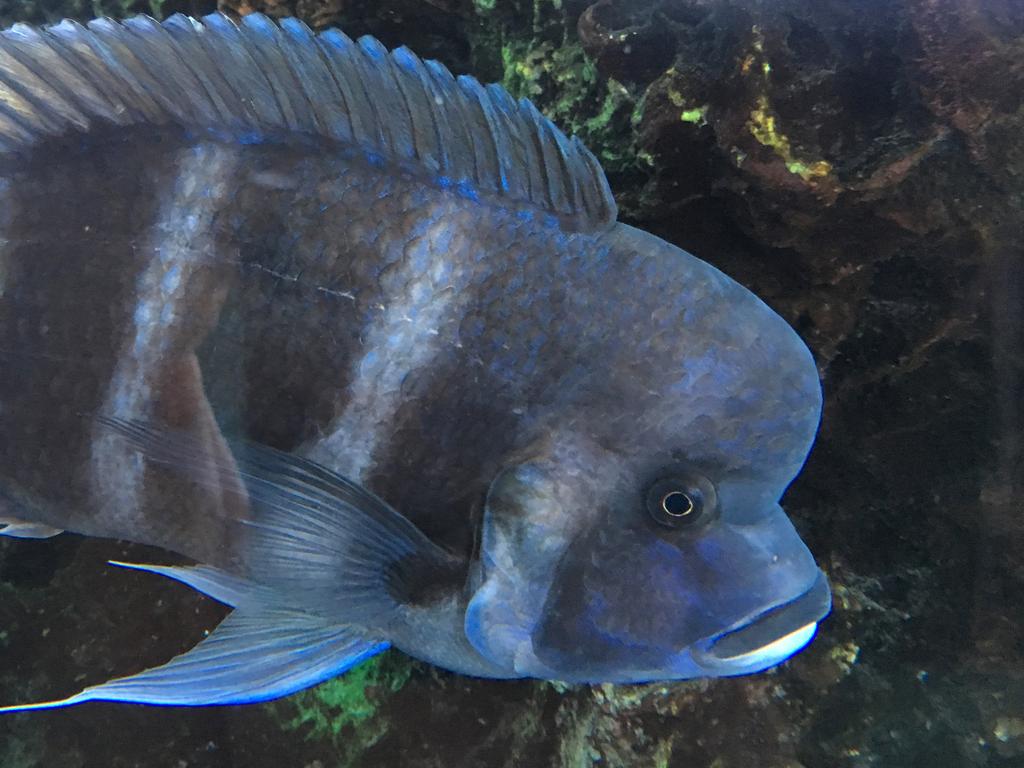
(258, 80)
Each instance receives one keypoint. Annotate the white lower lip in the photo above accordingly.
(776, 650)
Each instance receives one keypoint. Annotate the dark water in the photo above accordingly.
(856, 164)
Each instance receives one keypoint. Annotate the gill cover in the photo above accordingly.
(519, 554)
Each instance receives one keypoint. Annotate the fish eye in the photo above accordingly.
(679, 502)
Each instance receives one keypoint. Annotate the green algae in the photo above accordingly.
(529, 49)
(764, 127)
(344, 711)
(762, 122)
(695, 115)
(663, 752)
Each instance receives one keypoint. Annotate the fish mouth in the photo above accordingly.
(769, 637)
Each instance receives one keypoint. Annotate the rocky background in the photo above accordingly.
(858, 164)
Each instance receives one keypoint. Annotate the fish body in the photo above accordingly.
(480, 419)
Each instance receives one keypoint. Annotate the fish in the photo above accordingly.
(367, 344)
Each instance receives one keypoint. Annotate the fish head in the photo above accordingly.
(639, 537)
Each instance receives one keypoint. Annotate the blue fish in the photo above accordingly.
(478, 419)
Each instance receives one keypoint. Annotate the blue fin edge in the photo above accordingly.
(260, 652)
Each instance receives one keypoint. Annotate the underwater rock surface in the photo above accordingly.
(856, 164)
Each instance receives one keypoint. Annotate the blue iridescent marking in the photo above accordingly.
(465, 189)
(259, 24)
(337, 40)
(369, 360)
(403, 57)
(171, 279)
(288, 686)
(367, 45)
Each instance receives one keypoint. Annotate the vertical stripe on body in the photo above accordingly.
(422, 304)
(174, 295)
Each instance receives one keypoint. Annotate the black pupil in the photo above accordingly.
(677, 504)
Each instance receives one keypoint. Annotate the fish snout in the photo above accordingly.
(768, 637)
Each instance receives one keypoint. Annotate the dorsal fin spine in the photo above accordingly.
(348, 67)
(39, 48)
(444, 84)
(332, 45)
(188, 39)
(371, 75)
(261, 36)
(603, 206)
(486, 152)
(565, 191)
(425, 138)
(73, 102)
(36, 91)
(313, 77)
(67, 42)
(534, 157)
(438, 116)
(220, 51)
(300, 107)
(152, 45)
(118, 57)
(504, 109)
(401, 122)
(477, 98)
(45, 89)
(17, 111)
(226, 41)
(575, 193)
(538, 162)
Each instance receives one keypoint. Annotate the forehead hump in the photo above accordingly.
(706, 367)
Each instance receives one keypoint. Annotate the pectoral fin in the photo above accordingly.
(316, 539)
(256, 654)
